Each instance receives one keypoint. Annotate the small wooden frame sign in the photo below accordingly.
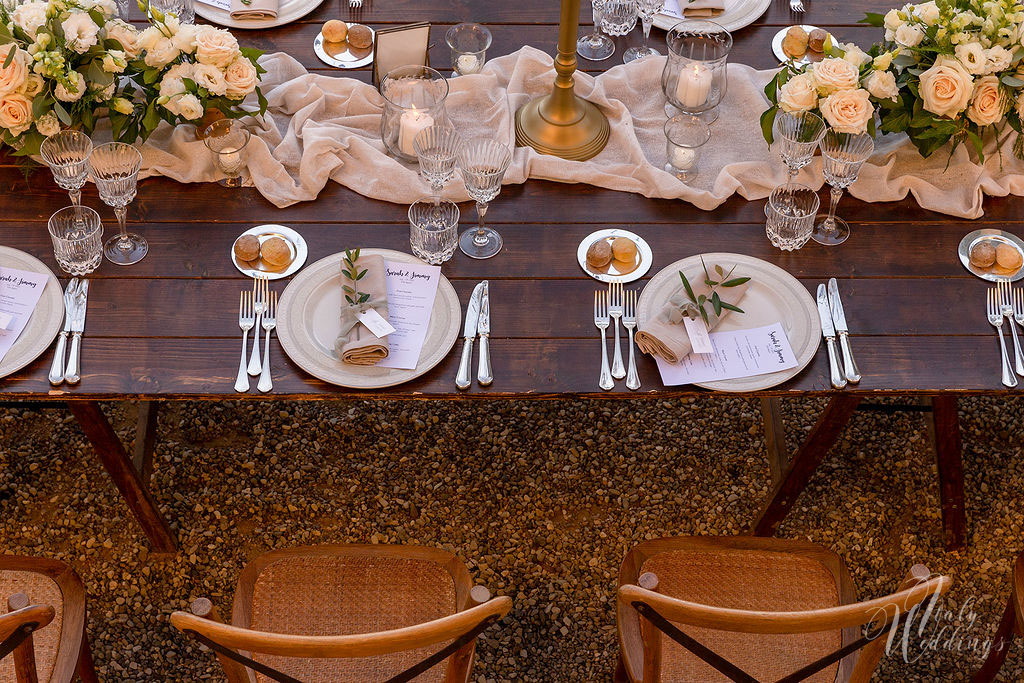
(407, 45)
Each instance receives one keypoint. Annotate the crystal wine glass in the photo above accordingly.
(437, 148)
(483, 163)
(595, 46)
(646, 9)
(843, 154)
(618, 17)
(66, 153)
(797, 135)
(115, 170)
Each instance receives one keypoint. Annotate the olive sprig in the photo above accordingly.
(353, 274)
(724, 280)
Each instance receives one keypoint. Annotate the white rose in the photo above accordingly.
(854, 55)
(882, 61)
(190, 107)
(928, 12)
(946, 87)
(122, 105)
(185, 38)
(798, 94)
(909, 35)
(105, 93)
(972, 56)
(12, 76)
(33, 85)
(123, 33)
(987, 104)
(29, 17)
(892, 20)
(882, 85)
(847, 111)
(211, 78)
(161, 53)
(48, 124)
(180, 71)
(215, 47)
(170, 87)
(106, 7)
(241, 78)
(114, 62)
(831, 74)
(70, 95)
(15, 113)
(148, 38)
(997, 59)
(80, 31)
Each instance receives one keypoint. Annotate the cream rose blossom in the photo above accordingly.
(48, 124)
(798, 94)
(211, 78)
(972, 56)
(185, 38)
(831, 75)
(161, 53)
(123, 33)
(241, 78)
(854, 55)
(12, 76)
(928, 12)
(848, 111)
(997, 58)
(15, 113)
(80, 32)
(29, 17)
(987, 104)
(909, 35)
(215, 47)
(70, 94)
(882, 85)
(946, 87)
(190, 107)
(33, 85)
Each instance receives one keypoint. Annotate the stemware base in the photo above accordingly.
(124, 250)
(708, 116)
(473, 248)
(833, 237)
(595, 49)
(635, 53)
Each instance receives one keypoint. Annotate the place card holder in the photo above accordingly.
(397, 46)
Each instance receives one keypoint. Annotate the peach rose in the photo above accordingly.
(832, 74)
(15, 113)
(848, 111)
(215, 47)
(987, 104)
(241, 77)
(946, 87)
(798, 94)
(12, 77)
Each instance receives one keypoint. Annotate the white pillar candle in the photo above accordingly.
(230, 160)
(693, 86)
(409, 126)
(682, 158)
(468, 64)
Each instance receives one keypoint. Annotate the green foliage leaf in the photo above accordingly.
(873, 19)
(729, 307)
(150, 76)
(735, 282)
(687, 287)
(768, 124)
(10, 58)
(360, 275)
(1012, 81)
(364, 298)
(716, 301)
(62, 113)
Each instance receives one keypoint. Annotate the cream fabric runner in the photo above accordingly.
(322, 128)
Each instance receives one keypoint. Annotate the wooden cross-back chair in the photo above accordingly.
(751, 609)
(360, 613)
(42, 632)
(1010, 625)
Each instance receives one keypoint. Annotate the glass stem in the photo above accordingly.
(595, 37)
(830, 222)
(436, 188)
(76, 197)
(646, 21)
(481, 237)
(791, 174)
(122, 216)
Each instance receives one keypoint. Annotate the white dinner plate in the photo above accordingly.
(46, 319)
(808, 57)
(309, 321)
(342, 55)
(287, 12)
(737, 14)
(773, 295)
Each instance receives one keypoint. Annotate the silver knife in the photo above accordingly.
(463, 379)
(73, 374)
(56, 375)
(839, 318)
(829, 332)
(483, 328)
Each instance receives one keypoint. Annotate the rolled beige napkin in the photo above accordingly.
(256, 9)
(665, 335)
(356, 345)
(700, 8)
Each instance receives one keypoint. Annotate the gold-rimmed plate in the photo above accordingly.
(342, 55)
(616, 271)
(994, 273)
(296, 246)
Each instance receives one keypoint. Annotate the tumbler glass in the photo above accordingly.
(434, 229)
(77, 235)
(790, 212)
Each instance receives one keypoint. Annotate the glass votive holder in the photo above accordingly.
(685, 135)
(434, 229)
(469, 43)
(77, 235)
(413, 101)
(695, 77)
(790, 213)
(227, 140)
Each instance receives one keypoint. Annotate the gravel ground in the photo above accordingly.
(541, 498)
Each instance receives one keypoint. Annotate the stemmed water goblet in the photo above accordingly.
(843, 155)
(66, 153)
(797, 135)
(618, 17)
(115, 170)
(483, 163)
(595, 46)
(436, 148)
(646, 9)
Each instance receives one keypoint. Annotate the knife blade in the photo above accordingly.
(839, 318)
(72, 374)
(828, 331)
(483, 328)
(56, 375)
(463, 379)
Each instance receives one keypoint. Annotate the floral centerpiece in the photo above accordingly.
(67, 63)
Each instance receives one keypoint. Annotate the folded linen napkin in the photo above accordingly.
(665, 335)
(702, 8)
(355, 344)
(256, 9)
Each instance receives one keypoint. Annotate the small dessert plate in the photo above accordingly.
(342, 55)
(616, 271)
(296, 245)
(809, 56)
(993, 273)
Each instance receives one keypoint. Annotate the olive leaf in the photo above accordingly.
(717, 304)
(353, 296)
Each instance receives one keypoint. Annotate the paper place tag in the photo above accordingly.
(5, 320)
(698, 333)
(375, 323)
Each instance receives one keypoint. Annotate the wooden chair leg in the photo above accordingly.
(949, 454)
(1000, 645)
(85, 668)
(235, 672)
(801, 467)
(620, 671)
(123, 473)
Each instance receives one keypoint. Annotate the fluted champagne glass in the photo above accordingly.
(483, 163)
(646, 9)
(797, 135)
(115, 170)
(843, 155)
(66, 153)
(436, 148)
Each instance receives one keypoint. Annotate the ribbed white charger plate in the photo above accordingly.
(46, 318)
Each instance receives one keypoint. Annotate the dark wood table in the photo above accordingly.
(165, 329)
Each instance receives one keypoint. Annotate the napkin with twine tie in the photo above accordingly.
(255, 9)
(355, 344)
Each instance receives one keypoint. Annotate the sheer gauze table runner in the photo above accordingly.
(321, 128)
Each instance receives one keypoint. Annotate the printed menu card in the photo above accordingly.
(19, 292)
(411, 291)
(740, 353)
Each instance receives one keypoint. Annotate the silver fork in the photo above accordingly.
(355, 3)
(269, 323)
(1006, 307)
(259, 294)
(615, 304)
(601, 322)
(995, 318)
(629, 322)
(796, 6)
(246, 321)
